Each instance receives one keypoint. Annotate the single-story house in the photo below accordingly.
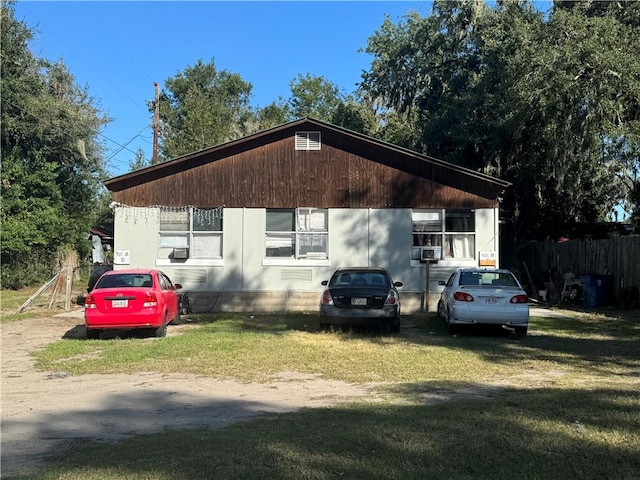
(257, 223)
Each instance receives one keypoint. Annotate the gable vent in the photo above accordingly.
(307, 140)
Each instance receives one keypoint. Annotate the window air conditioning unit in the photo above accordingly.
(180, 253)
(430, 254)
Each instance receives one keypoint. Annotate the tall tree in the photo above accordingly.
(358, 115)
(622, 142)
(576, 87)
(201, 107)
(51, 161)
(274, 114)
(314, 96)
(536, 100)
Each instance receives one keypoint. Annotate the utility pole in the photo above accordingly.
(156, 125)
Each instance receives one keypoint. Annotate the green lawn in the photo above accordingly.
(561, 403)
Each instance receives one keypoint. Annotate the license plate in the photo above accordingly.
(491, 300)
(358, 301)
(119, 303)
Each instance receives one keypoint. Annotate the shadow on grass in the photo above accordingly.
(258, 322)
(227, 322)
(534, 434)
(79, 332)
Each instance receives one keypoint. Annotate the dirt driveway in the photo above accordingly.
(46, 413)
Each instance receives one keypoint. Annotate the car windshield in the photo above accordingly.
(360, 278)
(125, 280)
(500, 279)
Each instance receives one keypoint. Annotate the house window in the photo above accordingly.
(297, 233)
(453, 231)
(190, 233)
(307, 140)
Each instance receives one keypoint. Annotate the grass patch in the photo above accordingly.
(11, 300)
(254, 347)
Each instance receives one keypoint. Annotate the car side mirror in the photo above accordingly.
(324, 282)
(177, 286)
(398, 284)
(441, 283)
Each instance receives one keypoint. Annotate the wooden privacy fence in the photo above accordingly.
(617, 257)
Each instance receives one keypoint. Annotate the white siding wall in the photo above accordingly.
(136, 230)
(357, 237)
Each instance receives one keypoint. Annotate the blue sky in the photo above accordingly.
(118, 49)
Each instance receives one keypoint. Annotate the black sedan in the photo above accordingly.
(361, 297)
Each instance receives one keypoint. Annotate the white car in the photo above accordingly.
(477, 296)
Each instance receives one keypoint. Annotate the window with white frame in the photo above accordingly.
(308, 141)
(190, 232)
(297, 233)
(450, 231)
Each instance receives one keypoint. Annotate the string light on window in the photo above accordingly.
(206, 216)
(168, 214)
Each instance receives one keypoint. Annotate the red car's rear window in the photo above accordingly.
(125, 280)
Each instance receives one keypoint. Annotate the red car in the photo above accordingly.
(132, 299)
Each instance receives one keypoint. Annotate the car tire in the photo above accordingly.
(161, 331)
(185, 304)
(395, 328)
(93, 333)
(451, 328)
(441, 310)
(522, 331)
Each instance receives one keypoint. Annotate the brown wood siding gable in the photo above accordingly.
(267, 171)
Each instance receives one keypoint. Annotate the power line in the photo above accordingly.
(123, 147)
(124, 47)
